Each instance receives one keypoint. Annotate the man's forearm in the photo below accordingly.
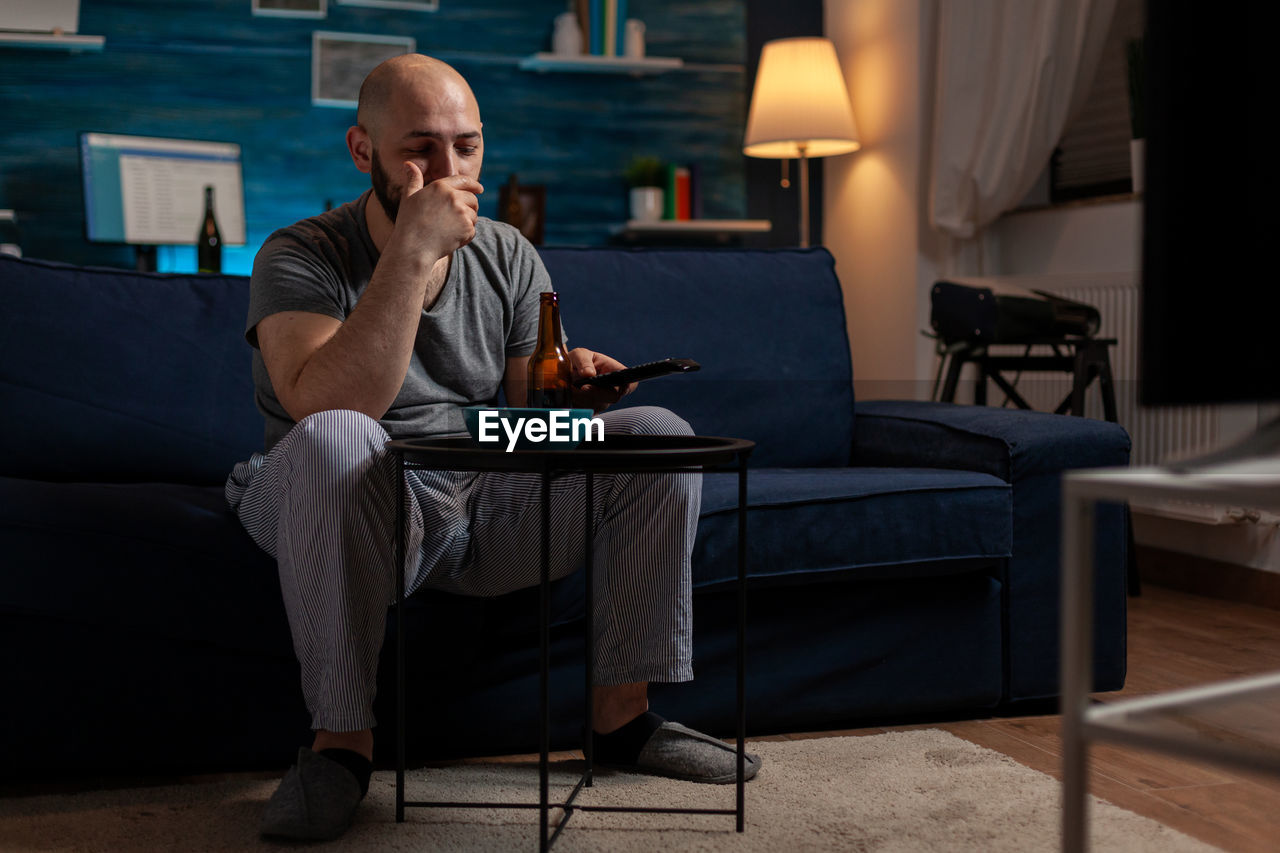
(363, 365)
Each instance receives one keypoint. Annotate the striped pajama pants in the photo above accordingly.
(322, 502)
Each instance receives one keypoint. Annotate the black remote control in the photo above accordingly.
(651, 369)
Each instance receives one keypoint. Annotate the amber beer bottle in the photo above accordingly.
(209, 239)
(549, 372)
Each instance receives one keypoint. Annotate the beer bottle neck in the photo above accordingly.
(549, 324)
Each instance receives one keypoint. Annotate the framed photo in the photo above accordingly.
(291, 8)
(406, 5)
(526, 209)
(341, 61)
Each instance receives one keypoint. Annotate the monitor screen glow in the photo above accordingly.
(149, 191)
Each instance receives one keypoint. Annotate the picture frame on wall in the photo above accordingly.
(291, 8)
(403, 5)
(525, 207)
(341, 61)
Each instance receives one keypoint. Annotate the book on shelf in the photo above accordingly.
(604, 26)
(683, 211)
(595, 27)
(669, 193)
(620, 27)
(610, 25)
(583, 8)
(676, 199)
(695, 191)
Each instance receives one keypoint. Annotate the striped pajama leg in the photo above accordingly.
(322, 502)
(644, 530)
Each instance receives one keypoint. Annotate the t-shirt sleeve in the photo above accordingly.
(289, 275)
(530, 278)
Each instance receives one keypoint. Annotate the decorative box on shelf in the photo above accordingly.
(591, 64)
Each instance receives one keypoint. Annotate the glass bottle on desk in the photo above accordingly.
(209, 238)
(549, 374)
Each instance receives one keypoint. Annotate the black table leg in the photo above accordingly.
(958, 358)
(742, 640)
(401, 723)
(590, 639)
(545, 656)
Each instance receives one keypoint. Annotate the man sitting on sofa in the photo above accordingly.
(384, 317)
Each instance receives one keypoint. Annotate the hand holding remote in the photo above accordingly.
(640, 372)
(586, 366)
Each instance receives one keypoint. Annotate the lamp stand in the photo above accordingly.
(804, 197)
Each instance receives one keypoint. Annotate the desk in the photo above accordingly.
(1254, 482)
(616, 454)
(1084, 358)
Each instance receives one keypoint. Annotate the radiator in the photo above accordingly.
(1158, 434)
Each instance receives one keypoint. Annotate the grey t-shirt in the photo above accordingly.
(486, 312)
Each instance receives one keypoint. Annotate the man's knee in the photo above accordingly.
(334, 441)
(646, 420)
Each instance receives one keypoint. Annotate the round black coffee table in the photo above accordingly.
(654, 454)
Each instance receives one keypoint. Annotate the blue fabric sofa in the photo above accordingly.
(903, 555)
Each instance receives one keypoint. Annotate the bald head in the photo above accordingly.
(417, 119)
(407, 82)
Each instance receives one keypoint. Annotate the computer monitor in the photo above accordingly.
(148, 191)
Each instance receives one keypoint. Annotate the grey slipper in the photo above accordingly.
(681, 753)
(315, 801)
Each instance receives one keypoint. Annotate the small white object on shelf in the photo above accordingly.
(567, 36)
(694, 226)
(592, 64)
(634, 47)
(646, 204)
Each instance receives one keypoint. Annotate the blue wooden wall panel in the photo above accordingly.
(208, 69)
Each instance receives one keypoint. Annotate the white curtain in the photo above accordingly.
(1009, 74)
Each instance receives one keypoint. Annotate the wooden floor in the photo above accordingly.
(1175, 640)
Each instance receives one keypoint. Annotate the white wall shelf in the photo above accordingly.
(688, 232)
(589, 64)
(50, 41)
(699, 226)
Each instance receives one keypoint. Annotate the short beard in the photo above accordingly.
(382, 189)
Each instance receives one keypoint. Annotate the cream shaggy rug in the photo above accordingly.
(903, 791)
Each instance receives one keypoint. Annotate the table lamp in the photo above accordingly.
(800, 108)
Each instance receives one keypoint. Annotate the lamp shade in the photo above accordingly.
(799, 99)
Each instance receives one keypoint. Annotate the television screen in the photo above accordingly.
(149, 191)
(1207, 292)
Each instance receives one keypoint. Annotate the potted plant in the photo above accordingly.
(1137, 97)
(645, 176)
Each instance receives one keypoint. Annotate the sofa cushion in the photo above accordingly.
(166, 560)
(767, 326)
(864, 522)
(115, 375)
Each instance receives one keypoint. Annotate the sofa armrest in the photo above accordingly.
(1011, 444)
(1029, 450)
